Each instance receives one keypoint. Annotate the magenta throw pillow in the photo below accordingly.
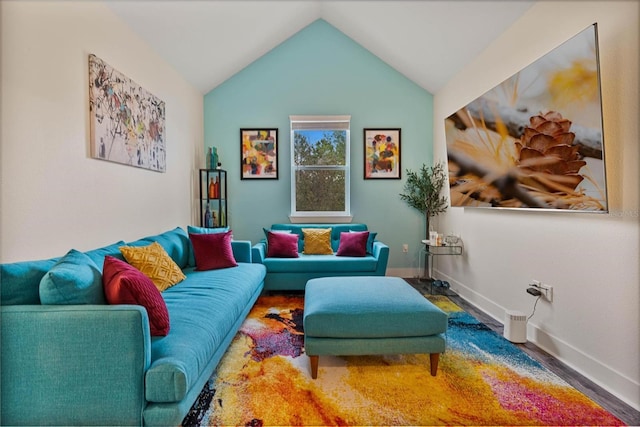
(213, 251)
(125, 284)
(353, 244)
(282, 245)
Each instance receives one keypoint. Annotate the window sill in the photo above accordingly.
(320, 219)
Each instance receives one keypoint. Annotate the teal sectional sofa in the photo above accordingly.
(284, 274)
(97, 364)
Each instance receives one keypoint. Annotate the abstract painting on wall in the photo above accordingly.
(127, 122)
(382, 153)
(536, 139)
(259, 153)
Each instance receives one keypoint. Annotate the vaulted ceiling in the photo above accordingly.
(208, 41)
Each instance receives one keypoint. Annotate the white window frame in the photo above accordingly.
(321, 123)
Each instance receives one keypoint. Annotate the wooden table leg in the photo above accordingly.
(314, 366)
(435, 357)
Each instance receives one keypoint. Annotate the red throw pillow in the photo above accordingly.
(213, 251)
(282, 245)
(353, 244)
(125, 284)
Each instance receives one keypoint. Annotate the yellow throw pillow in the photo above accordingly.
(154, 262)
(317, 241)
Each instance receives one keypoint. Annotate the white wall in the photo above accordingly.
(591, 260)
(54, 195)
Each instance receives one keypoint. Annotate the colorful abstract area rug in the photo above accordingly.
(264, 380)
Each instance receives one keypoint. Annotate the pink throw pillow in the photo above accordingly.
(125, 284)
(353, 244)
(282, 245)
(213, 251)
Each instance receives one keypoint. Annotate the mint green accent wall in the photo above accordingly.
(319, 71)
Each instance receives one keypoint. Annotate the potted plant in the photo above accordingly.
(422, 191)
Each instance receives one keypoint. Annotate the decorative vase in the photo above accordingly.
(212, 189)
(207, 218)
(213, 157)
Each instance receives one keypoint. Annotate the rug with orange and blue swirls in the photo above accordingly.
(264, 380)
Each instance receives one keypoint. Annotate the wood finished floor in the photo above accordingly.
(605, 399)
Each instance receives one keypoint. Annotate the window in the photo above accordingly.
(320, 168)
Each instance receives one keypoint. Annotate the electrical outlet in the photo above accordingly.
(546, 290)
(405, 248)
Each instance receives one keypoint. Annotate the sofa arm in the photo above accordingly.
(381, 253)
(259, 252)
(241, 250)
(74, 364)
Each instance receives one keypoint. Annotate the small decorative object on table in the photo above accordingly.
(212, 161)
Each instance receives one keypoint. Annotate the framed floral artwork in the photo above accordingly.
(382, 153)
(259, 153)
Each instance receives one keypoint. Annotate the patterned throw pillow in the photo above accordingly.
(124, 284)
(282, 245)
(155, 263)
(213, 251)
(353, 244)
(317, 241)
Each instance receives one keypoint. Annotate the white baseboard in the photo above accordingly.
(621, 386)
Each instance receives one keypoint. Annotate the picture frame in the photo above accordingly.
(536, 140)
(127, 122)
(259, 153)
(382, 153)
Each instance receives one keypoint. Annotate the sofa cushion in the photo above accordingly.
(203, 311)
(213, 251)
(327, 264)
(175, 242)
(317, 241)
(124, 284)
(155, 263)
(282, 245)
(21, 281)
(97, 255)
(74, 279)
(353, 244)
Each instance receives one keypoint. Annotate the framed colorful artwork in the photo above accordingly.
(127, 123)
(382, 153)
(259, 153)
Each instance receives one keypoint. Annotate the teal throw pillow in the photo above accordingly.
(74, 279)
(204, 230)
(370, 240)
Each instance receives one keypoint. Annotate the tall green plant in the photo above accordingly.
(422, 191)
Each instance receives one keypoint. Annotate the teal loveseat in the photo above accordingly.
(98, 364)
(284, 274)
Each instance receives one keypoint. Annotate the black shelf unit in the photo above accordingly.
(213, 201)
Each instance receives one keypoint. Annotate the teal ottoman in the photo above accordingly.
(366, 315)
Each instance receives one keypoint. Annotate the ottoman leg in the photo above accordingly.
(435, 357)
(314, 366)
